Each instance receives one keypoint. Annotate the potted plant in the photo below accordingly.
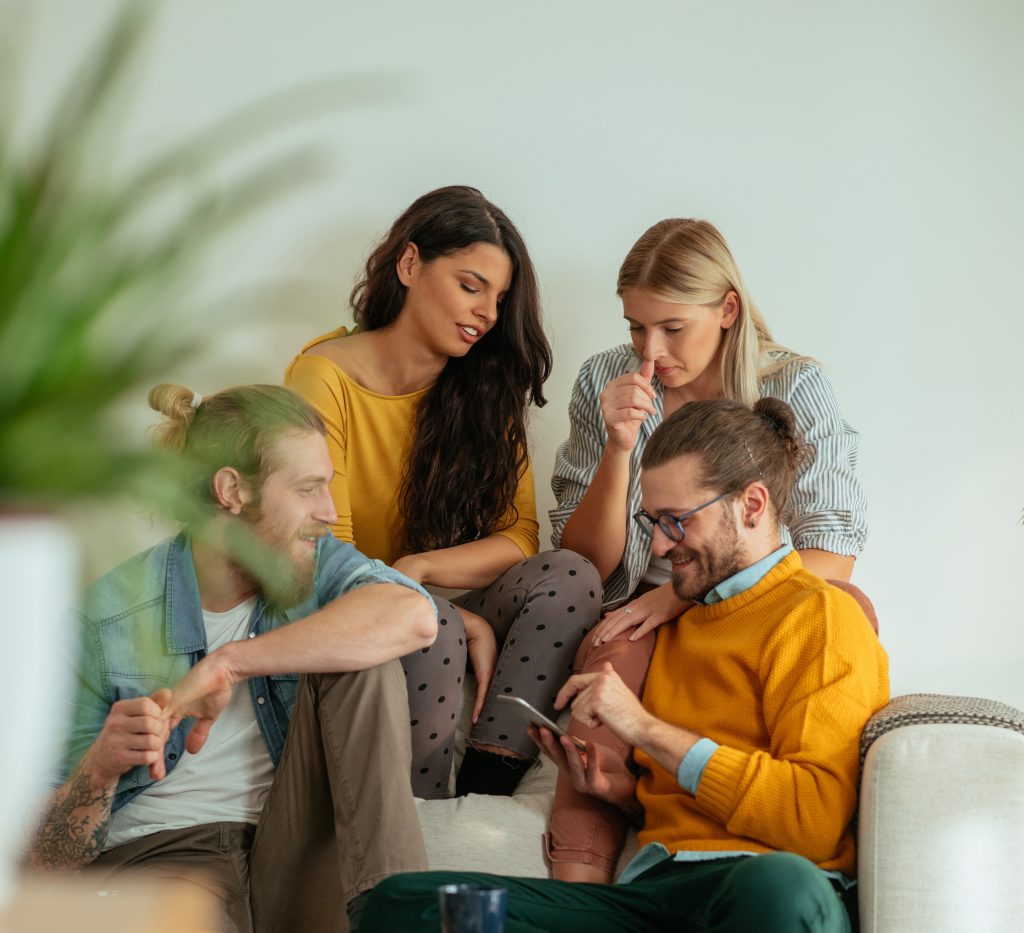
(91, 270)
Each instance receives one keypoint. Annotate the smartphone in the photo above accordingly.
(533, 717)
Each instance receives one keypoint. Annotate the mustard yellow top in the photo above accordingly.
(369, 437)
(783, 676)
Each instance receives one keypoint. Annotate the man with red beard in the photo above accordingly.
(745, 738)
(200, 656)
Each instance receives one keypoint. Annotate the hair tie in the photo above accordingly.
(197, 400)
(752, 460)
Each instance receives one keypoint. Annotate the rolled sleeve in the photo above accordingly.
(691, 768)
(828, 509)
(342, 568)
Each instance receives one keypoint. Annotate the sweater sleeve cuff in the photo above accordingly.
(691, 768)
(720, 782)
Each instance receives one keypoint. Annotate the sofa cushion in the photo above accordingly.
(500, 835)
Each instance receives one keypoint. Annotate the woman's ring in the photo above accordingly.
(627, 611)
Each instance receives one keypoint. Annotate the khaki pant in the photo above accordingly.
(339, 817)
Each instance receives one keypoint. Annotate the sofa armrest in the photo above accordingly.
(942, 817)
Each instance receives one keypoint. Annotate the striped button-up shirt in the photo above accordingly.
(827, 506)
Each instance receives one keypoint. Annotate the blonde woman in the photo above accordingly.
(694, 335)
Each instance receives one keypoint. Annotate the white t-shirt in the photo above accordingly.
(227, 781)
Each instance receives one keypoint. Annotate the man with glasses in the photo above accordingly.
(745, 739)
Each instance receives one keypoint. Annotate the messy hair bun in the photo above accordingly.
(175, 403)
(782, 420)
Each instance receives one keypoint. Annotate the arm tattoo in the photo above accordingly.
(75, 828)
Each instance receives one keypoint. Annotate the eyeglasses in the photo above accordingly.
(672, 525)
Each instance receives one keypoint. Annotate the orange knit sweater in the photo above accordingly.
(783, 676)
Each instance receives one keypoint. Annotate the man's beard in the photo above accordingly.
(722, 558)
(285, 578)
(292, 583)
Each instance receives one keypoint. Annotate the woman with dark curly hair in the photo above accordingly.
(425, 404)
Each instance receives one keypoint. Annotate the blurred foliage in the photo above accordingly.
(93, 263)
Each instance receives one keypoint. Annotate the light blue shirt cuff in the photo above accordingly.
(691, 768)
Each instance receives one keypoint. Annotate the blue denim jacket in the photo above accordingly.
(141, 628)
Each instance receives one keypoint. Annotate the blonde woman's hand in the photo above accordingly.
(482, 647)
(644, 614)
(626, 402)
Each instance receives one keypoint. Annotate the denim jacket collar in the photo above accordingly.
(184, 631)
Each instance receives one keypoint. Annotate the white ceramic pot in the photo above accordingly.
(38, 584)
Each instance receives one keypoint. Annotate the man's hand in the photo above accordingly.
(134, 733)
(482, 647)
(74, 827)
(203, 694)
(598, 771)
(601, 698)
(645, 613)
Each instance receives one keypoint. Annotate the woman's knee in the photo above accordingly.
(445, 660)
(562, 594)
(561, 568)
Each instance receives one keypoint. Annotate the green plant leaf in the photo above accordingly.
(94, 262)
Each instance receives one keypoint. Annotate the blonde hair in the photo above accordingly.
(234, 428)
(688, 261)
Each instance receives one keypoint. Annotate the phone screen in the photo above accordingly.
(535, 717)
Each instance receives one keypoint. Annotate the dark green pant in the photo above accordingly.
(775, 893)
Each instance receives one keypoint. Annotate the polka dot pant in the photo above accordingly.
(540, 609)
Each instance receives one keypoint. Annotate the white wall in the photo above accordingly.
(864, 161)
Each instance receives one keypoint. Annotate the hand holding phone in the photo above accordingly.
(533, 717)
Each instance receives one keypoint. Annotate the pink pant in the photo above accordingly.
(583, 828)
